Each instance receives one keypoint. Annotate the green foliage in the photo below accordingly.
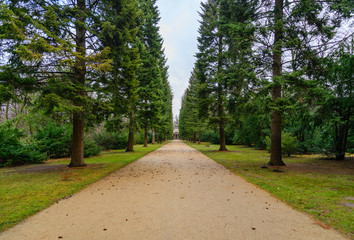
(190, 123)
(54, 139)
(91, 148)
(210, 136)
(289, 144)
(210, 69)
(257, 64)
(13, 151)
(213, 136)
(111, 140)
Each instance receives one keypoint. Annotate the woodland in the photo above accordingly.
(277, 75)
(78, 77)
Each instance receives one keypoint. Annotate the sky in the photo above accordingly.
(179, 29)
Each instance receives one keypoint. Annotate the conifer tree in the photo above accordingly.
(119, 33)
(51, 50)
(294, 50)
(211, 66)
(155, 92)
(149, 90)
(166, 121)
(191, 124)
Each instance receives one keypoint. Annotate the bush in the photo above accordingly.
(121, 141)
(288, 144)
(210, 136)
(91, 148)
(108, 140)
(54, 140)
(14, 152)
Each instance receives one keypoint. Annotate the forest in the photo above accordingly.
(276, 75)
(78, 77)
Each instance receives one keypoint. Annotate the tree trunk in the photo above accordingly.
(153, 136)
(342, 137)
(199, 137)
(77, 157)
(222, 138)
(275, 156)
(194, 137)
(130, 147)
(220, 100)
(146, 137)
(7, 110)
(21, 112)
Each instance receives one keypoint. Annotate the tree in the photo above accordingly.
(50, 50)
(190, 123)
(155, 91)
(299, 32)
(149, 72)
(166, 122)
(336, 99)
(119, 33)
(211, 66)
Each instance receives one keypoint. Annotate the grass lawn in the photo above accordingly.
(26, 190)
(322, 188)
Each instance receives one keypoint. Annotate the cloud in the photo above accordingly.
(179, 29)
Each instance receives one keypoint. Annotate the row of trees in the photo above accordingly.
(270, 67)
(85, 63)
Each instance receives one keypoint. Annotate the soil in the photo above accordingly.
(173, 193)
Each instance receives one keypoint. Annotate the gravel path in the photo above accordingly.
(173, 193)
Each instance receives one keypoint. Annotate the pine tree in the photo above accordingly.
(166, 121)
(149, 91)
(119, 33)
(191, 124)
(155, 92)
(299, 32)
(51, 50)
(211, 66)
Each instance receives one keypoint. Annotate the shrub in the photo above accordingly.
(54, 140)
(288, 144)
(104, 139)
(121, 141)
(109, 140)
(14, 152)
(91, 148)
(210, 136)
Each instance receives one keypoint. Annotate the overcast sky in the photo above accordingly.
(179, 29)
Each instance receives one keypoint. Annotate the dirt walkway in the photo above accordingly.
(172, 193)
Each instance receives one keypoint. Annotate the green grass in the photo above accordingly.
(24, 192)
(317, 187)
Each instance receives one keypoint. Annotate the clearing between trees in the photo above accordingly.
(174, 192)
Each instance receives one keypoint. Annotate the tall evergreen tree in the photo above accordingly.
(155, 92)
(51, 50)
(149, 91)
(299, 32)
(191, 124)
(166, 121)
(119, 33)
(211, 66)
